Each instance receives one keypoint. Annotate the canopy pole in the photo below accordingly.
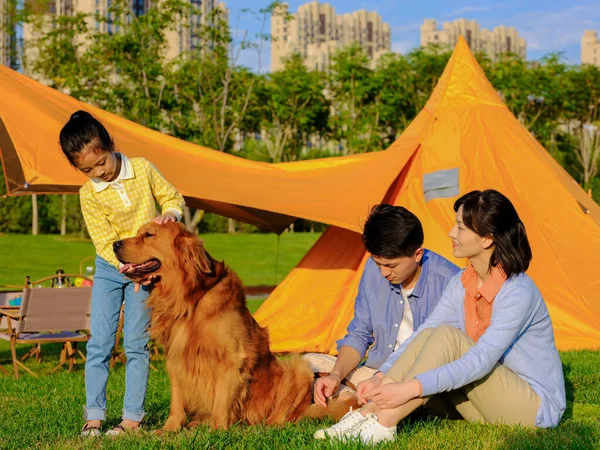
(277, 260)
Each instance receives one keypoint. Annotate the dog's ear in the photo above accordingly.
(192, 251)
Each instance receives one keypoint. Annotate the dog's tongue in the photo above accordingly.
(126, 267)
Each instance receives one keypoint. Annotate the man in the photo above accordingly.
(401, 284)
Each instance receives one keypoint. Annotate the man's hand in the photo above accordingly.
(393, 395)
(164, 218)
(325, 387)
(366, 386)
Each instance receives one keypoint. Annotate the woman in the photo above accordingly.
(487, 350)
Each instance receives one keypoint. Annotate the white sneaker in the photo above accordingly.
(370, 431)
(347, 423)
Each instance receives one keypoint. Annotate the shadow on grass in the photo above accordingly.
(570, 434)
(570, 391)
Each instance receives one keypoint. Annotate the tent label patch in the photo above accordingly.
(440, 184)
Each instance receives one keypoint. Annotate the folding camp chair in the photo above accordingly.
(49, 315)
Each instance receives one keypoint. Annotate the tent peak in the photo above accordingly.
(463, 83)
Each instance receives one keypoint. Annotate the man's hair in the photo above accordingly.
(392, 232)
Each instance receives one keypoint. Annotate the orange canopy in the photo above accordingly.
(466, 139)
(267, 195)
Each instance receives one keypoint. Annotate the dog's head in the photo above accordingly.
(162, 252)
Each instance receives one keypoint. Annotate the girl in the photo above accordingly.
(119, 197)
(486, 351)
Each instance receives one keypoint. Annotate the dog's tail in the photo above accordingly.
(336, 408)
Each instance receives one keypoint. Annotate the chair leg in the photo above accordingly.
(38, 353)
(27, 369)
(29, 353)
(71, 353)
(4, 371)
(13, 351)
(62, 363)
(63, 353)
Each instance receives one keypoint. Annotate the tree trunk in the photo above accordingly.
(63, 216)
(191, 222)
(34, 215)
(231, 226)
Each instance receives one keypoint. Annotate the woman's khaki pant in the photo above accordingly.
(500, 397)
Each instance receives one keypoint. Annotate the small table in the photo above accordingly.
(13, 312)
(10, 311)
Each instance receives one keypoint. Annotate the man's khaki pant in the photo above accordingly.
(322, 363)
(500, 397)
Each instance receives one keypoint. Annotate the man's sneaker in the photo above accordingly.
(350, 420)
(370, 431)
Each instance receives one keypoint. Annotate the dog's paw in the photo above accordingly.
(173, 425)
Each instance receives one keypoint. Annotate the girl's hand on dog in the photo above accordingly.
(165, 218)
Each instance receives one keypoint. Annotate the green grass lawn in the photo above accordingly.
(46, 412)
(252, 256)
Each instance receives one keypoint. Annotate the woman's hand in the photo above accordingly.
(164, 218)
(393, 395)
(366, 386)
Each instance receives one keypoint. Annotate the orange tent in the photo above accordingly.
(267, 195)
(464, 139)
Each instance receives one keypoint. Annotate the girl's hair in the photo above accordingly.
(490, 213)
(83, 131)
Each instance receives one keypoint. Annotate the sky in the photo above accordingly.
(548, 26)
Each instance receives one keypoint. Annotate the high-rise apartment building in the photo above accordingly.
(188, 36)
(494, 42)
(185, 37)
(317, 32)
(590, 48)
(8, 39)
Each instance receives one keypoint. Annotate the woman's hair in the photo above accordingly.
(392, 232)
(490, 213)
(83, 131)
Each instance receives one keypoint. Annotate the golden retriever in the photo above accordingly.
(218, 358)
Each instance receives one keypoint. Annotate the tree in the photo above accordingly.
(582, 117)
(395, 101)
(353, 100)
(531, 90)
(427, 64)
(295, 109)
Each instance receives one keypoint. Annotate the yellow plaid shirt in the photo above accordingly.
(116, 210)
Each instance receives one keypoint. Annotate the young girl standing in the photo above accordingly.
(487, 350)
(120, 196)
